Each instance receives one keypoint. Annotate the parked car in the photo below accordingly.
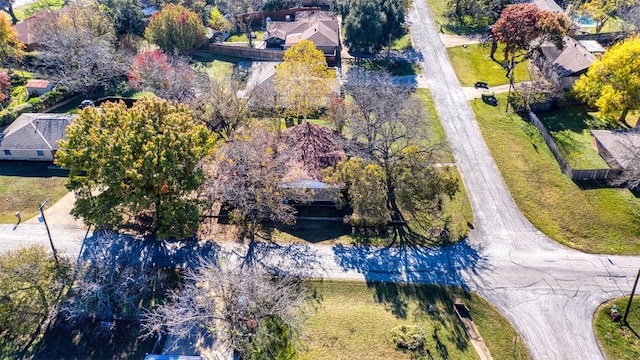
(86, 103)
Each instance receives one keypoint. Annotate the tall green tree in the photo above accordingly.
(176, 28)
(612, 83)
(303, 80)
(127, 16)
(369, 23)
(140, 162)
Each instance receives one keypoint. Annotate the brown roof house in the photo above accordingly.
(312, 148)
(27, 29)
(34, 137)
(320, 27)
(37, 87)
(564, 66)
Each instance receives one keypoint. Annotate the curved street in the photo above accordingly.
(549, 292)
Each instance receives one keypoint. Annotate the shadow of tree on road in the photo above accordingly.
(297, 260)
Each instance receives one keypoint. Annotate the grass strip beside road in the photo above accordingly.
(356, 318)
(620, 342)
(472, 63)
(594, 220)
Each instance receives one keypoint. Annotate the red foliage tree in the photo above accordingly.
(520, 24)
(5, 85)
(167, 77)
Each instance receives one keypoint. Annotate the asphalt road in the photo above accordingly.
(549, 292)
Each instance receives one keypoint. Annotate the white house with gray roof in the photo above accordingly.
(34, 137)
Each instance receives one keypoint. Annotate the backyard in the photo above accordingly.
(569, 128)
(594, 220)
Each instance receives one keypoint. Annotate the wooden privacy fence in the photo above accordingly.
(575, 175)
(246, 52)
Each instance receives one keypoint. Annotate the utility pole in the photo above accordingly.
(55, 253)
(633, 291)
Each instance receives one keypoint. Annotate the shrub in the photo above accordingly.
(7, 116)
(408, 337)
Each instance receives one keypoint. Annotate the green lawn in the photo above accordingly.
(242, 37)
(591, 220)
(473, 64)
(617, 341)
(25, 12)
(216, 66)
(24, 186)
(354, 320)
(568, 128)
(402, 43)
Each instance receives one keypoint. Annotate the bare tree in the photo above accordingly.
(243, 308)
(7, 7)
(224, 106)
(246, 177)
(110, 282)
(78, 49)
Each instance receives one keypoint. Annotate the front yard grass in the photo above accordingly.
(569, 130)
(594, 220)
(24, 186)
(355, 319)
(472, 63)
(620, 342)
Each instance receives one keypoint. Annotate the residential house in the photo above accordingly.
(320, 27)
(26, 29)
(564, 66)
(310, 149)
(617, 147)
(34, 137)
(37, 87)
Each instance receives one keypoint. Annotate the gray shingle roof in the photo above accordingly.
(38, 131)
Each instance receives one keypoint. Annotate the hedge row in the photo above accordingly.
(36, 104)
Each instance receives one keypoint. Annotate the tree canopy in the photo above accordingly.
(79, 49)
(10, 46)
(612, 83)
(30, 287)
(394, 173)
(369, 24)
(246, 179)
(158, 147)
(303, 80)
(520, 24)
(176, 28)
(168, 77)
(256, 314)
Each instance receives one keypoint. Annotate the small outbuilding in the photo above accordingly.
(619, 148)
(34, 136)
(37, 87)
